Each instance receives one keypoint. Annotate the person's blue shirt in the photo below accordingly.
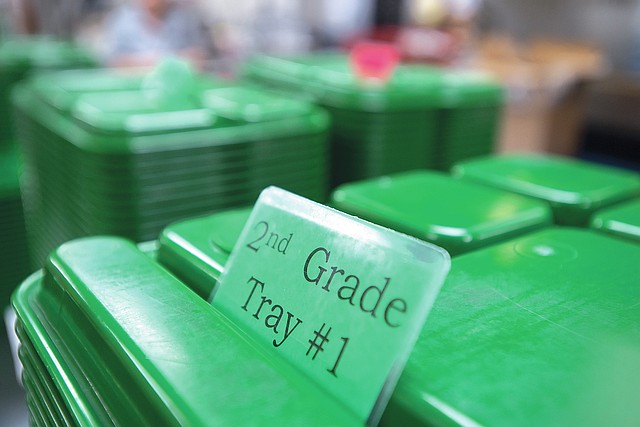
(135, 37)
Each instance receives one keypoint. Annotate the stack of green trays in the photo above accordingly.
(538, 331)
(421, 118)
(621, 220)
(196, 250)
(574, 189)
(14, 264)
(469, 117)
(377, 127)
(20, 56)
(108, 337)
(458, 216)
(114, 154)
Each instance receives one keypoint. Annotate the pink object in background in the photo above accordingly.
(375, 61)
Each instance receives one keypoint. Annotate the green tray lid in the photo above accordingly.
(541, 330)
(132, 112)
(43, 53)
(456, 215)
(329, 79)
(186, 360)
(112, 101)
(166, 101)
(574, 188)
(249, 104)
(169, 99)
(61, 89)
(196, 250)
(620, 220)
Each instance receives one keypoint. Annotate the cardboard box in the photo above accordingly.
(546, 91)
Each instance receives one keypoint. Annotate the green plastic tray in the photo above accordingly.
(177, 360)
(575, 189)
(437, 117)
(534, 331)
(127, 155)
(397, 116)
(456, 215)
(541, 330)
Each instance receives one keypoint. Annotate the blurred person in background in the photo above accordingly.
(141, 32)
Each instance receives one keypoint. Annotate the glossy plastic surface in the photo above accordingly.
(170, 99)
(456, 215)
(169, 356)
(196, 250)
(251, 104)
(573, 188)
(621, 220)
(541, 330)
